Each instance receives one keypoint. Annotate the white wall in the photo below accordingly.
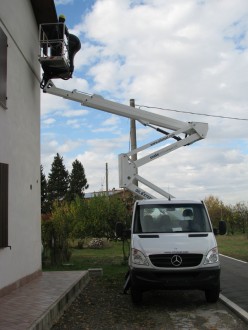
(20, 142)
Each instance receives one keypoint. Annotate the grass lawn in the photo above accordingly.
(235, 246)
(111, 259)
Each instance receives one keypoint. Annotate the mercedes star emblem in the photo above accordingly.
(176, 260)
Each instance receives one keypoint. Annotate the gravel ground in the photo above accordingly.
(101, 305)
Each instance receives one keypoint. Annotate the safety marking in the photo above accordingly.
(244, 262)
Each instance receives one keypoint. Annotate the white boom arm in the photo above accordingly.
(128, 169)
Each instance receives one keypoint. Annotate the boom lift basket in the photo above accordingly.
(54, 51)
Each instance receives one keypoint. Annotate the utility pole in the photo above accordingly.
(133, 139)
(107, 190)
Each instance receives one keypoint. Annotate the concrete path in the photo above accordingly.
(38, 304)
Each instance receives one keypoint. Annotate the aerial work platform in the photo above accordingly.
(57, 51)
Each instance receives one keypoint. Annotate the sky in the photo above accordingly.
(184, 55)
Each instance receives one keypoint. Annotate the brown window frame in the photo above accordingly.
(4, 192)
(3, 68)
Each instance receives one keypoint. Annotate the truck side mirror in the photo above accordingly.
(222, 227)
(121, 232)
(127, 234)
(119, 229)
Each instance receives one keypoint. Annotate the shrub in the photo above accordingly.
(96, 243)
(56, 231)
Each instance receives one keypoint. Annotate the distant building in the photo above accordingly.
(120, 192)
(20, 225)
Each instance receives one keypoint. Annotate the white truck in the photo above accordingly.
(172, 241)
(173, 246)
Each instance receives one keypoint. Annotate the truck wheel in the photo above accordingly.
(212, 295)
(136, 295)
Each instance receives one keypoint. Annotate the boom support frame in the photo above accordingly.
(185, 133)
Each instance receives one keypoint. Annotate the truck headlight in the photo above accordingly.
(139, 258)
(212, 256)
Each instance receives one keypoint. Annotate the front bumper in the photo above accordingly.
(197, 279)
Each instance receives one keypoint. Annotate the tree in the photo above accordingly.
(78, 181)
(116, 212)
(43, 187)
(80, 211)
(216, 209)
(240, 211)
(235, 216)
(58, 180)
(97, 216)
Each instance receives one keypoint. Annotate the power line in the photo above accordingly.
(193, 113)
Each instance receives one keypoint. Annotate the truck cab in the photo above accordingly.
(173, 246)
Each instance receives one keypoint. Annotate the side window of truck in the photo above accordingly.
(195, 219)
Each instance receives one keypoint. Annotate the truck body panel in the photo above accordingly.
(173, 243)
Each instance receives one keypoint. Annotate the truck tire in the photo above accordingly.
(212, 295)
(136, 295)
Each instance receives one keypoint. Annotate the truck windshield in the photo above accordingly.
(172, 218)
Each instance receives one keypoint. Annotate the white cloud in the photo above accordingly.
(178, 49)
(73, 122)
(49, 104)
(73, 84)
(111, 121)
(106, 129)
(49, 121)
(63, 2)
(111, 124)
(198, 173)
(74, 113)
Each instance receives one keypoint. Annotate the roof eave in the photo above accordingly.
(44, 11)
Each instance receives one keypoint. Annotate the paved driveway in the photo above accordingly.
(234, 281)
(102, 306)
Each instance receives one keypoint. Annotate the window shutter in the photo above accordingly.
(4, 183)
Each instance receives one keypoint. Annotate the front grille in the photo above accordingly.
(176, 260)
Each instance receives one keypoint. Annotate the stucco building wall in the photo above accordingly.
(20, 142)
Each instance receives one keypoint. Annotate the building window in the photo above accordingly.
(3, 69)
(4, 183)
